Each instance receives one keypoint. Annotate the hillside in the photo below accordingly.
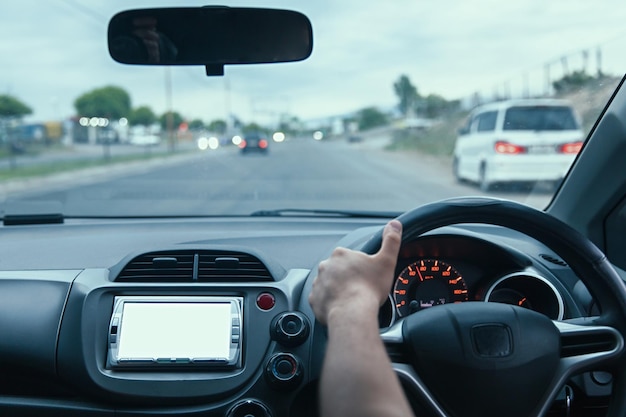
(589, 101)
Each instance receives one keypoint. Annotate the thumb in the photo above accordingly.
(392, 237)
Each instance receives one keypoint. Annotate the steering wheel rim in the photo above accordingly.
(585, 259)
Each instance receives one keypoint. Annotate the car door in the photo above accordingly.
(462, 148)
(481, 142)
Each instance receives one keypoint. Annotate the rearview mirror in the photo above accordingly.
(212, 36)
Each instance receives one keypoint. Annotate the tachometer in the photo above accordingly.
(426, 283)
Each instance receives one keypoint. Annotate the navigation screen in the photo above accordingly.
(168, 330)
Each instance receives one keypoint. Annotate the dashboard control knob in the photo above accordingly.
(249, 408)
(284, 371)
(290, 329)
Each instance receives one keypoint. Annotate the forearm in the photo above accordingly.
(357, 368)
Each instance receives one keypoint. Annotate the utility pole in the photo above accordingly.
(506, 88)
(526, 93)
(230, 121)
(548, 85)
(565, 66)
(169, 117)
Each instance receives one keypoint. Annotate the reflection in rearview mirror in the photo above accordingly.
(211, 36)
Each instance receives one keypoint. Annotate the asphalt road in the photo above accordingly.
(294, 174)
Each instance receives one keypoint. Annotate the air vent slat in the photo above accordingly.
(178, 266)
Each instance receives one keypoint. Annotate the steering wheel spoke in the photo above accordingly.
(414, 384)
(393, 338)
(584, 347)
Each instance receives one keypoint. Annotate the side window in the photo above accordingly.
(487, 121)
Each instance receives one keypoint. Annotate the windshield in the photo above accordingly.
(381, 117)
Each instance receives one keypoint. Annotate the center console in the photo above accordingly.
(225, 345)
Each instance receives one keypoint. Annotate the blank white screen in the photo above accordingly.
(175, 330)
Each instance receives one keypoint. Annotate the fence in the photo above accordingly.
(606, 58)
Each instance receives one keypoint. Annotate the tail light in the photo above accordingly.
(571, 148)
(509, 148)
(263, 144)
(242, 144)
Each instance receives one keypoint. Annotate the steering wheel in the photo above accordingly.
(493, 359)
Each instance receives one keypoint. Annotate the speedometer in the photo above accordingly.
(426, 283)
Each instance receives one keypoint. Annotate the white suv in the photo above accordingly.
(517, 141)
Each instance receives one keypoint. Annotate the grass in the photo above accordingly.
(31, 150)
(39, 170)
(438, 140)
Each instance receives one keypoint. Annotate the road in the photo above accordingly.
(294, 174)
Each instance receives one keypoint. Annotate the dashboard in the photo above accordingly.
(210, 317)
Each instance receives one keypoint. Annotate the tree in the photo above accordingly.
(289, 124)
(370, 117)
(142, 115)
(433, 105)
(571, 82)
(407, 94)
(177, 119)
(217, 126)
(196, 124)
(252, 128)
(110, 101)
(13, 107)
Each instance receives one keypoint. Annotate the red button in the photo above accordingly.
(265, 301)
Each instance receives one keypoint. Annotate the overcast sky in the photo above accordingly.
(54, 50)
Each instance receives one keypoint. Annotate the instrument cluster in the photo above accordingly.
(441, 270)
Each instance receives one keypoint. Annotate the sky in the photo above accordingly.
(53, 51)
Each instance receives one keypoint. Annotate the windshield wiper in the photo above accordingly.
(19, 213)
(328, 213)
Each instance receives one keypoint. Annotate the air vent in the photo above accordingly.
(189, 266)
(553, 259)
(225, 266)
(175, 266)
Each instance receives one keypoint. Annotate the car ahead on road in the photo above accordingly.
(177, 285)
(517, 141)
(254, 142)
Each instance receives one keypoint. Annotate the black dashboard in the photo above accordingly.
(60, 314)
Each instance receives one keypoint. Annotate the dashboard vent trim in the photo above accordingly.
(194, 266)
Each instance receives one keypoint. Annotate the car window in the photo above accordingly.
(487, 121)
(539, 118)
